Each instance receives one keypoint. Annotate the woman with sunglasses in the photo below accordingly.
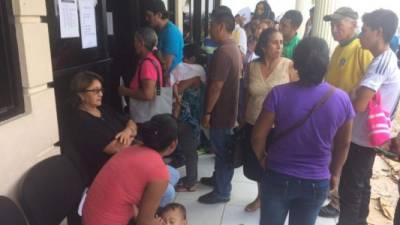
(98, 131)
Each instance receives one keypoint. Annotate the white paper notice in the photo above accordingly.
(110, 23)
(69, 24)
(88, 23)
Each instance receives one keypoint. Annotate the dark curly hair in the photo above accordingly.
(311, 59)
(264, 38)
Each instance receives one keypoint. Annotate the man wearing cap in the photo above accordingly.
(348, 64)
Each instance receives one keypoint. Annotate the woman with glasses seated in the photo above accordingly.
(98, 131)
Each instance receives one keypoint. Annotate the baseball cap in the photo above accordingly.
(155, 6)
(342, 13)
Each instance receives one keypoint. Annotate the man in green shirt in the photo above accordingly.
(288, 26)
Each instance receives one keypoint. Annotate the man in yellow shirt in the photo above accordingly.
(348, 64)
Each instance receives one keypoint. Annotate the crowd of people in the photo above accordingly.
(305, 116)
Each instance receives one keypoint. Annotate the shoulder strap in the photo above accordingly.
(158, 82)
(300, 122)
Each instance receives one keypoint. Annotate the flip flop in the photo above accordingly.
(253, 206)
(184, 188)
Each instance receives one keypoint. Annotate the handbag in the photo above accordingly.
(379, 123)
(237, 148)
(142, 111)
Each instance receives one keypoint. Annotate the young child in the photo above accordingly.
(173, 214)
(189, 79)
(189, 69)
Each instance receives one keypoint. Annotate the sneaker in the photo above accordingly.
(329, 212)
(209, 181)
(211, 198)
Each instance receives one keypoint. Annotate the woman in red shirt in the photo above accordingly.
(135, 178)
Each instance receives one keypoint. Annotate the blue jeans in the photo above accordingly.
(282, 194)
(169, 194)
(221, 139)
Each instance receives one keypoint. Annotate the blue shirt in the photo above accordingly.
(170, 42)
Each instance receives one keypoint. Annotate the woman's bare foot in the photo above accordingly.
(253, 206)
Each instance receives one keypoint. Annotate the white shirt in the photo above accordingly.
(242, 39)
(383, 75)
(185, 71)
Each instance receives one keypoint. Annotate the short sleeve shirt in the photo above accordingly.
(146, 71)
(348, 65)
(120, 184)
(382, 75)
(92, 134)
(226, 65)
(288, 48)
(170, 42)
(306, 151)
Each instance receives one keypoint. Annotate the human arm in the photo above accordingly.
(169, 59)
(185, 84)
(293, 75)
(341, 144)
(212, 95)
(147, 91)
(126, 135)
(219, 72)
(150, 202)
(260, 133)
(362, 97)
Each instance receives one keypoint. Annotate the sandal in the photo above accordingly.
(253, 206)
(183, 188)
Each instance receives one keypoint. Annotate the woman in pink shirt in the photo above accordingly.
(132, 183)
(149, 73)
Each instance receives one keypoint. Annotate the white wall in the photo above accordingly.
(29, 138)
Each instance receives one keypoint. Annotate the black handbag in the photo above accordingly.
(237, 147)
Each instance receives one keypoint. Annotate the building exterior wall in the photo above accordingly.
(28, 138)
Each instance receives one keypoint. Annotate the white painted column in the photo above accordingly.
(321, 28)
(303, 6)
(179, 14)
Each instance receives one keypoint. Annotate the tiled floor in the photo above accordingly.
(231, 213)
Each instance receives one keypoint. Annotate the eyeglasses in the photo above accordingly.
(96, 91)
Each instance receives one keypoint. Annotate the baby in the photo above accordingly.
(173, 214)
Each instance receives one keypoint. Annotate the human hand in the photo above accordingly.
(123, 91)
(394, 145)
(334, 183)
(206, 121)
(159, 221)
(263, 163)
(126, 136)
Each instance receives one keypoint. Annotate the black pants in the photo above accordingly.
(355, 188)
(187, 143)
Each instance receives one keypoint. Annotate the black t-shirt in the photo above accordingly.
(92, 134)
